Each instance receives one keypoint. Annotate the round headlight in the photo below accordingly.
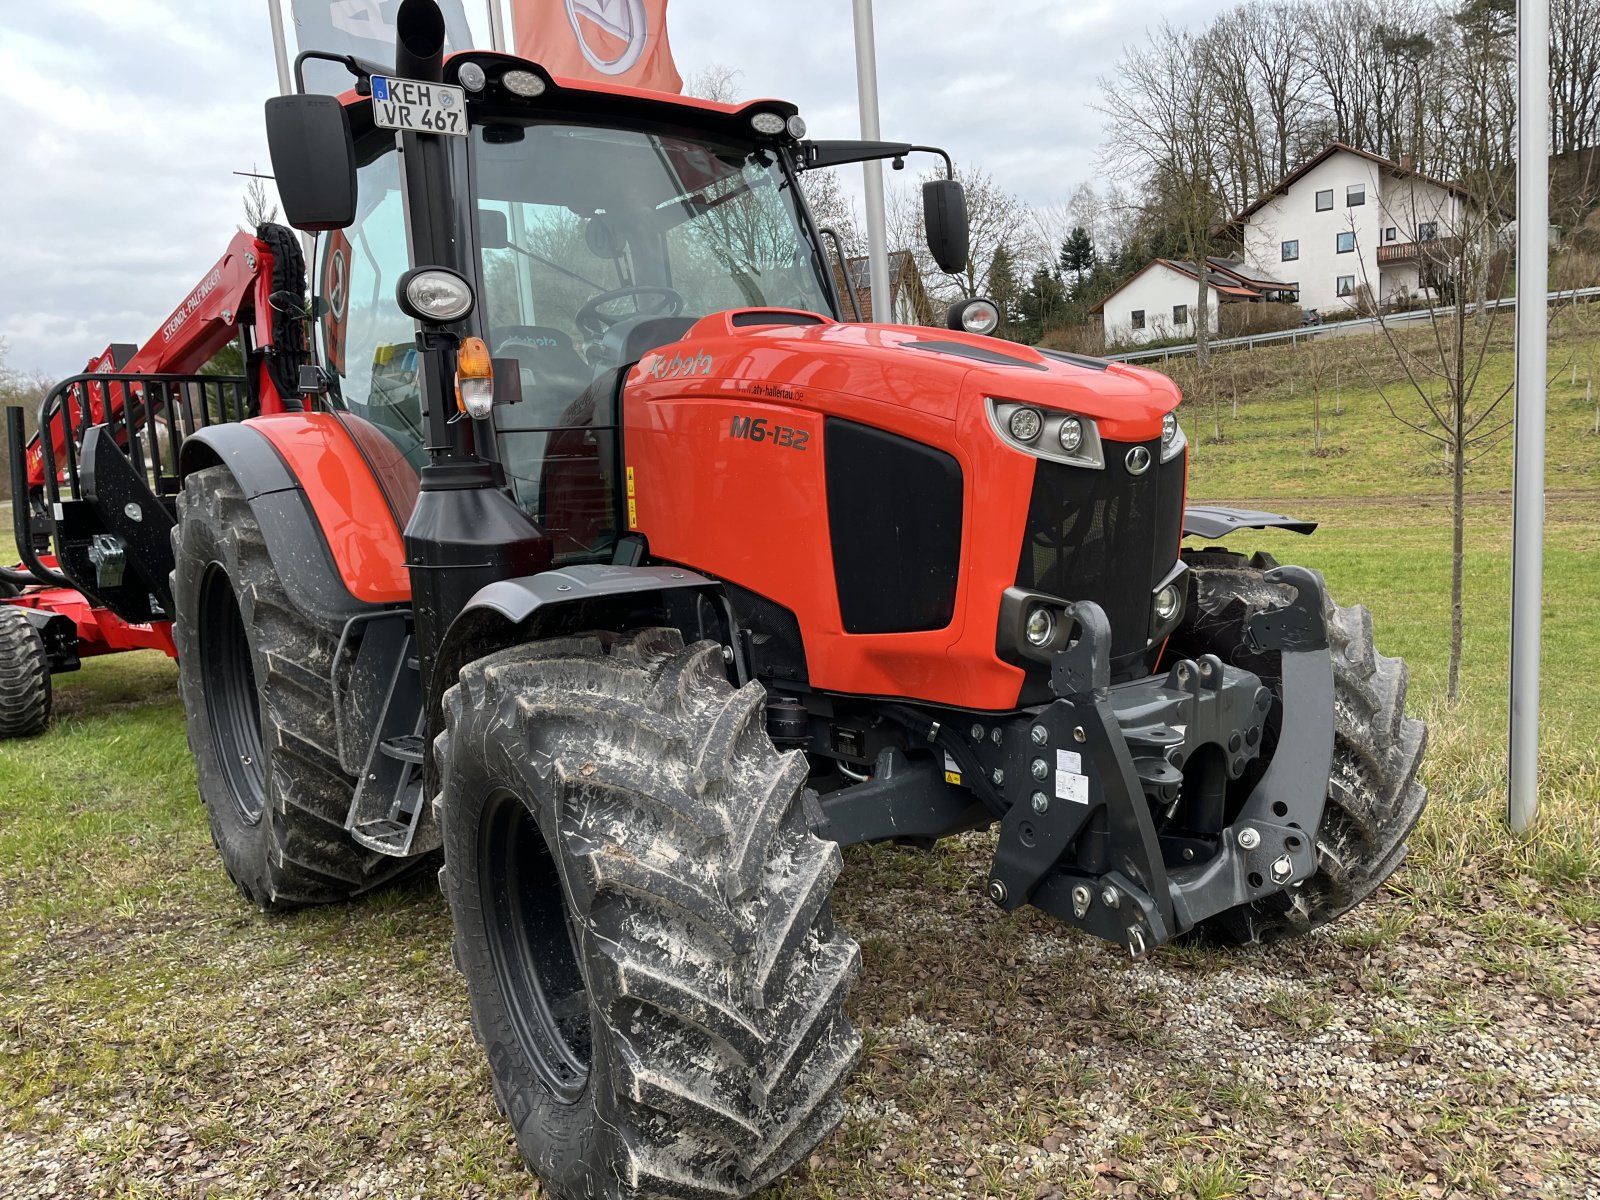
(435, 295)
(978, 316)
(769, 123)
(472, 77)
(1167, 600)
(797, 127)
(1169, 428)
(1041, 626)
(1025, 424)
(523, 83)
(1071, 434)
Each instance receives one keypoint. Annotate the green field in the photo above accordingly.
(159, 1039)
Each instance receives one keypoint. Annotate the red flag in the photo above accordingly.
(610, 41)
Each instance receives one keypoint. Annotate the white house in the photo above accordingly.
(1346, 224)
(1157, 304)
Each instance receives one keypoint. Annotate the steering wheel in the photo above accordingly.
(594, 323)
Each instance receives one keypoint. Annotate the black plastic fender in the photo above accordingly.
(1211, 521)
(295, 542)
(578, 598)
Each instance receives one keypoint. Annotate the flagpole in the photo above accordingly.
(871, 130)
(280, 47)
(497, 28)
(1533, 317)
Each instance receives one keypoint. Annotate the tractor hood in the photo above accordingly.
(932, 371)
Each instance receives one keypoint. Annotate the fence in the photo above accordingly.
(1360, 324)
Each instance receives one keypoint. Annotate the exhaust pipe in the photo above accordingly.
(419, 42)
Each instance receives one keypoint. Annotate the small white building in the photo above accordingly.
(1157, 304)
(1347, 225)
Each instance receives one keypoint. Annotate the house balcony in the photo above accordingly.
(1434, 250)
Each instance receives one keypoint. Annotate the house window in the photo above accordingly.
(1325, 201)
(1291, 250)
(1180, 314)
(1347, 241)
(1427, 231)
(1138, 318)
(1390, 234)
(1355, 195)
(1346, 285)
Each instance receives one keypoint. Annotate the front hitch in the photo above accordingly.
(1088, 775)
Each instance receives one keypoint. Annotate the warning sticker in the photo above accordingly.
(1071, 783)
(952, 773)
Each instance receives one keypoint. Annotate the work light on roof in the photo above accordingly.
(523, 83)
(769, 123)
(796, 126)
(472, 77)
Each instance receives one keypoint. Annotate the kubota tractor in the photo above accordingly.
(597, 549)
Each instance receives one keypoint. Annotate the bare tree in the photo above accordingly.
(718, 82)
(998, 220)
(1161, 105)
(1443, 395)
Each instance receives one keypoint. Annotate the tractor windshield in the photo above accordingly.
(600, 244)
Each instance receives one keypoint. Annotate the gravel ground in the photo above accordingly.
(205, 1051)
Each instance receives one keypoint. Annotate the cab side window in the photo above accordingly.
(368, 344)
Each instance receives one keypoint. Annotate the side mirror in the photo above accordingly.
(944, 212)
(494, 230)
(313, 160)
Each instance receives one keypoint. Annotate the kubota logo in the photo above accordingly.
(623, 20)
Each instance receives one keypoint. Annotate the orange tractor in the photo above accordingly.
(594, 547)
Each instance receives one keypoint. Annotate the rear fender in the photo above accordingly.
(293, 526)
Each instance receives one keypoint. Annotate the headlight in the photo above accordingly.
(797, 127)
(523, 83)
(472, 77)
(1172, 439)
(434, 295)
(1167, 601)
(1041, 626)
(977, 316)
(1071, 434)
(1026, 424)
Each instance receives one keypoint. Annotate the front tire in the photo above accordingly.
(641, 915)
(1374, 799)
(253, 671)
(25, 690)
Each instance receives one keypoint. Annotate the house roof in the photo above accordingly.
(1225, 282)
(1327, 152)
(860, 269)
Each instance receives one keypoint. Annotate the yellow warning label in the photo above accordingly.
(631, 492)
(953, 777)
(633, 513)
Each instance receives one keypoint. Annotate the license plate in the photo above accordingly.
(416, 107)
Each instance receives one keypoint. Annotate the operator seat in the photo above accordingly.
(553, 374)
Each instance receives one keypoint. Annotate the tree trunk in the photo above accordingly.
(1458, 522)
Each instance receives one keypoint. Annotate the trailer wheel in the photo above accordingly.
(1374, 798)
(25, 693)
(641, 915)
(253, 672)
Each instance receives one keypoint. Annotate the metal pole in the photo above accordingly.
(280, 47)
(877, 223)
(1527, 538)
(497, 28)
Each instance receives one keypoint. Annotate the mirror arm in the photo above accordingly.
(361, 68)
(949, 163)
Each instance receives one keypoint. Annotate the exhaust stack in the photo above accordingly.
(419, 42)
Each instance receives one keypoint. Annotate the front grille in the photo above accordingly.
(1107, 536)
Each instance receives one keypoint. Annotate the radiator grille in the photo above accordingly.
(1107, 536)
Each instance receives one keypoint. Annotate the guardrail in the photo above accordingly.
(1306, 332)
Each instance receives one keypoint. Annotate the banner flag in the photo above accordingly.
(364, 28)
(610, 41)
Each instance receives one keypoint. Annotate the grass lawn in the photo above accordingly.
(159, 1039)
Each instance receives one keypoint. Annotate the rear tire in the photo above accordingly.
(253, 671)
(1374, 799)
(641, 915)
(25, 692)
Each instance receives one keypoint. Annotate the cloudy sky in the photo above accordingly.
(122, 122)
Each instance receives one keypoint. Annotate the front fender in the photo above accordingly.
(1211, 521)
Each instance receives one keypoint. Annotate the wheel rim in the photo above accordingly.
(536, 962)
(233, 706)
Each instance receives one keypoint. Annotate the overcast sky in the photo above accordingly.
(121, 122)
